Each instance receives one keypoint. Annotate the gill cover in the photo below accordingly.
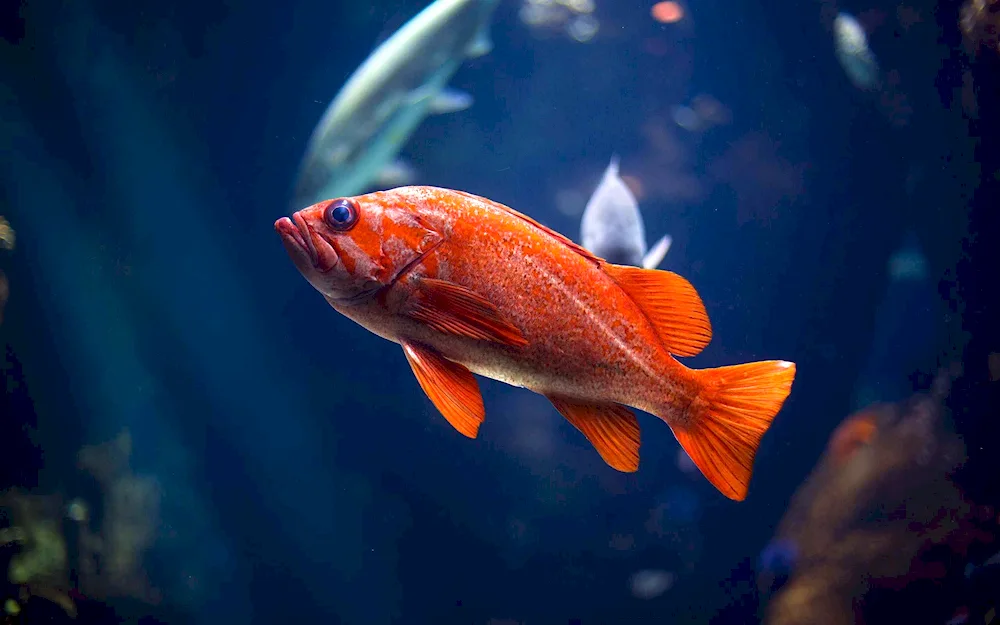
(381, 244)
(398, 240)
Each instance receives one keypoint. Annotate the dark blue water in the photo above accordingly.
(149, 149)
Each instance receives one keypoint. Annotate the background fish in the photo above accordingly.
(388, 96)
(612, 225)
(467, 285)
(853, 53)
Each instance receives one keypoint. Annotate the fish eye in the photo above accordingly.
(341, 214)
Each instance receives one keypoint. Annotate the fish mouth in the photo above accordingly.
(307, 248)
(298, 240)
(305, 238)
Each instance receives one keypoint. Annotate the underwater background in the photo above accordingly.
(272, 461)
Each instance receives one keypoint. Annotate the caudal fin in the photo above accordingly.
(728, 418)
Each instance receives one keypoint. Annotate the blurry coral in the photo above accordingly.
(111, 559)
(980, 22)
(7, 235)
(40, 565)
(7, 240)
(571, 17)
(879, 511)
(107, 563)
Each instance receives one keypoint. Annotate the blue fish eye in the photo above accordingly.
(341, 214)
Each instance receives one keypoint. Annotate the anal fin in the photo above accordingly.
(612, 429)
(450, 386)
(453, 309)
(670, 303)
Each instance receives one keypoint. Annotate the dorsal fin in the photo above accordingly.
(670, 303)
(576, 247)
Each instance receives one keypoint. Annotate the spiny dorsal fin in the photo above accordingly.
(576, 247)
(670, 303)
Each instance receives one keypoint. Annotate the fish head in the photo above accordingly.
(350, 248)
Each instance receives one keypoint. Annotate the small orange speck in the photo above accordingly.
(667, 12)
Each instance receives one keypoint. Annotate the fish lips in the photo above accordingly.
(310, 252)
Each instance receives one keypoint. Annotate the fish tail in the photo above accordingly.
(724, 423)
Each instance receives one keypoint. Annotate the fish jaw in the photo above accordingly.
(303, 255)
(312, 255)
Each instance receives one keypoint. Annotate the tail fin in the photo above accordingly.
(727, 420)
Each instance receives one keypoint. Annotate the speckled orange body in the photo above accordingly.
(586, 337)
(466, 285)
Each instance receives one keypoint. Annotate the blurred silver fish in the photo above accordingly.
(396, 173)
(388, 96)
(851, 47)
(612, 225)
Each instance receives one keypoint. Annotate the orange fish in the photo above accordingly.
(466, 285)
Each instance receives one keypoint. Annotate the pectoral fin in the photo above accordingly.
(450, 386)
(453, 309)
(449, 100)
(612, 429)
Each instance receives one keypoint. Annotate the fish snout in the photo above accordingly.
(310, 251)
(297, 244)
(307, 237)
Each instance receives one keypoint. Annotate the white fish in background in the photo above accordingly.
(612, 225)
(397, 173)
(851, 47)
(388, 96)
